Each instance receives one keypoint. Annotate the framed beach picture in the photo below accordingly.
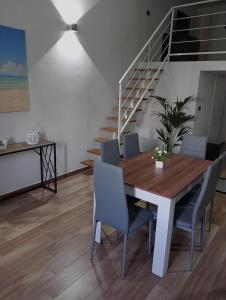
(14, 93)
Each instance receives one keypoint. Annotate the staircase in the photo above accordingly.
(170, 41)
(139, 84)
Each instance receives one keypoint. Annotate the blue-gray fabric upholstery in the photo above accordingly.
(183, 217)
(131, 145)
(222, 158)
(207, 192)
(111, 205)
(191, 209)
(194, 145)
(196, 203)
(110, 152)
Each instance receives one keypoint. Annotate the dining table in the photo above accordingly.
(162, 187)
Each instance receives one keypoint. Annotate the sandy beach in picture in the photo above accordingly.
(14, 90)
(14, 100)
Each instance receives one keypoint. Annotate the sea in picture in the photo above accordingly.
(14, 90)
(13, 82)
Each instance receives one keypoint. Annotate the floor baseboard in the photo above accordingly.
(38, 185)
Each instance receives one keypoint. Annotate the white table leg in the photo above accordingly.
(163, 237)
(98, 228)
(164, 227)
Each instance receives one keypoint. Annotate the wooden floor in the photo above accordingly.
(45, 253)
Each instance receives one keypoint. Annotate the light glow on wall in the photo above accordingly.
(69, 47)
(70, 10)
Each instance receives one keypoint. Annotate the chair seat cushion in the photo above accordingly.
(137, 217)
(183, 217)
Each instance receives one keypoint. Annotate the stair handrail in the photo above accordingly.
(158, 27)
(139, 77)
(146, 44)
(144, 93)
(132, 65)
(170, 12)
(146, 89)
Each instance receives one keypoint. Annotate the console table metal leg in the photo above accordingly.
(55, 168)
(48, 167)
(41, 165)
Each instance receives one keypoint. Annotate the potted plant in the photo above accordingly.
(173, 118)
(160, 156)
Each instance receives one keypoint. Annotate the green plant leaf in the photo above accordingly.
(173, 118)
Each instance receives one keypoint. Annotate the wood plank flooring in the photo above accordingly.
(45, 253)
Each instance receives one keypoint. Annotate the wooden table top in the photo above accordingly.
(19, 147)
(178, 173)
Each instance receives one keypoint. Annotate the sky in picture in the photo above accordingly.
(13, 59)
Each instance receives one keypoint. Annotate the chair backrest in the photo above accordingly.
(222, 158)
(207, 192)
(109, 189)
(194, 145)
(131, 145)
(110, 152)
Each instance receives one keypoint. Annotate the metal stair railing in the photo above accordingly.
(152, 58)
(149, 55)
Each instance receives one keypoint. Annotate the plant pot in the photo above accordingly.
(159, 164)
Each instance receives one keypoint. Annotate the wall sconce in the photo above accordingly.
(72, 27)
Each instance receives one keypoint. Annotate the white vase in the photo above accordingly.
(3, 143)
(32, 137)
(159, 164)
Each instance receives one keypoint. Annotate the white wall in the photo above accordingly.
(210, 119)
(206, 91)
(72, 77)
(223, 130)
(179, 79)
(216, 134)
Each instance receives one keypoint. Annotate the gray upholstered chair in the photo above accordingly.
(112, 207)
(222, 158)
(188, 216)
(110, 153)
(191, 197)
(131, 145)
(194, 145)
(222, 164)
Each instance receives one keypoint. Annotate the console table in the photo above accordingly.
(47, 153)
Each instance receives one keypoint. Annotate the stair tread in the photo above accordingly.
(116, 119)
(129, 109)
(138, 88)
(133, 99)
(148, 69)
(143, 79)
(87, 162)
(101, 140)
(95, 151)
(110, 129)
(130, 98)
